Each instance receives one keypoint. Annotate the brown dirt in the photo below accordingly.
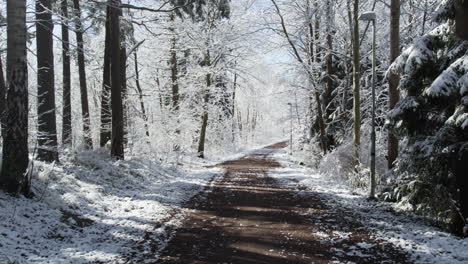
(248, 217)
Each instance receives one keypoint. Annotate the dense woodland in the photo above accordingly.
(170, 78)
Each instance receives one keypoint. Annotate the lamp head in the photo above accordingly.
(368, 16)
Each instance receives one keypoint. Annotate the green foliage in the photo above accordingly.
(432, 117)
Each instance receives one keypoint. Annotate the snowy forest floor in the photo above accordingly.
(263, 209)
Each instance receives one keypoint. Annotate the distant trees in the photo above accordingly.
(15, 139)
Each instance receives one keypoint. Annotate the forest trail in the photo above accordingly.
(248, 217)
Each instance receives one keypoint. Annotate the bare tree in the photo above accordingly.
(15, 142)
(307, 66)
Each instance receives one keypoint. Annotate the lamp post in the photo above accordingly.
(291, 129)
(371, 16)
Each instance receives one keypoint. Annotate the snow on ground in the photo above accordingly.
(92, 209)
(425, 243)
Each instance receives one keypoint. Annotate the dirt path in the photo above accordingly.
(249, 218)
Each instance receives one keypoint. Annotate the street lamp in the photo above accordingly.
(371, 16)
(291, 129)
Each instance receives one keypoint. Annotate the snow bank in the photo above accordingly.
(92, 209)
(425, 243)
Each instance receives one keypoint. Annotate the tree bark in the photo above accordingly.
(323, 139)
(461, 19)
(327, 96)
(393, 79)
(106, 119)
(66, 115)
(117, 148)
(201, 143)
(47, 123)
(123, 84)
(174, 71)
(460, 169)
(2, 98)
(356, 84)
(140, 95)
(88, 142)
(318, 49)
(15, 142)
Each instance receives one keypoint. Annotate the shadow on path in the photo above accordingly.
(249, 218)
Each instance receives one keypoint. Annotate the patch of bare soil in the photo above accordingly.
(249, 217)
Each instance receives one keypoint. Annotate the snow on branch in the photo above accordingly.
(447, 84)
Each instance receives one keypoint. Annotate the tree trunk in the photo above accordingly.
(47, 123)
(174, 71)
(233, 108)
(117, 148)
(140, 95)
(2, 98)
(356, 84)
(327, 96)
(393, 79)
(66, 116)
(123, 84)
(106, 119)
(201, 143)
(318, 52)
(460, 169)
(323, 138)
(461, 19)
(15, 142)
(88, 142)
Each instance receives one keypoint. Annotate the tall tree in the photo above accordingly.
(66, 116)
(393, 79)
(82, 75)
(15, 141)
(106, 119)
(2, 97)
(117, 148)
(47, 123)
(356, 84)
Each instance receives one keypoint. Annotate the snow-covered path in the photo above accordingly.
(250, 217)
